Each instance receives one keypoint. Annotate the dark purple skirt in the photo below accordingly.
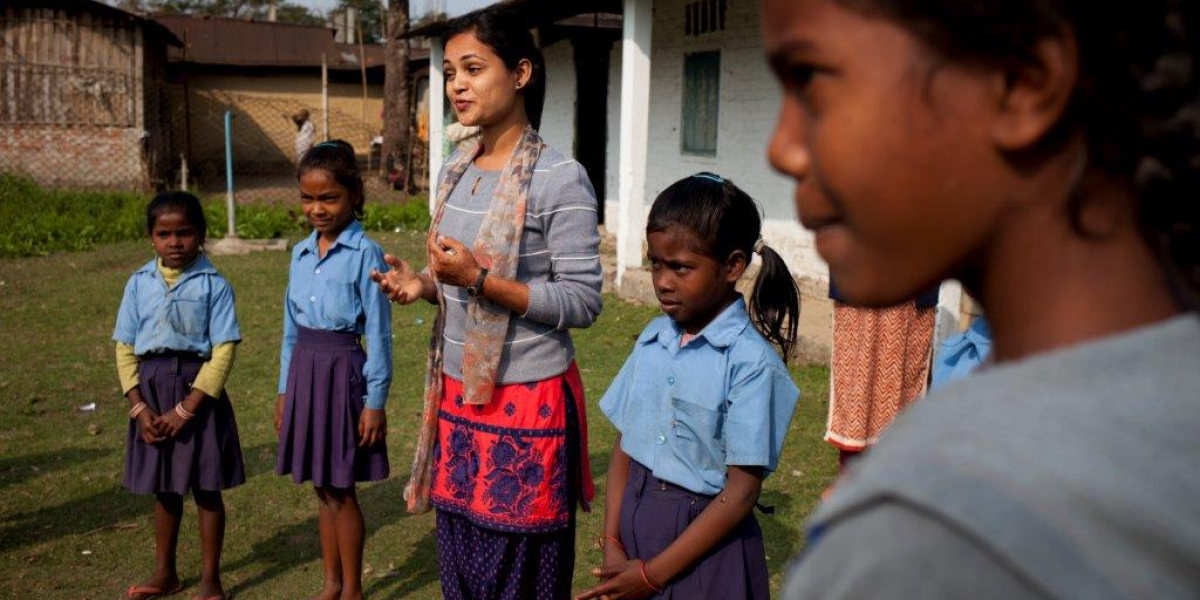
(654, 514)
(206, 455)
(318, 440)
(478, 563)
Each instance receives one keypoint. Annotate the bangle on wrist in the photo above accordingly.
(183, 412)
(137, 409)
(613, 540)
(654, 587)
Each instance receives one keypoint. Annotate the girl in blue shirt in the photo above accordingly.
(329, 413)
(702, 405)
(176, 334)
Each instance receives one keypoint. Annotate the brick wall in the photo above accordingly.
(749, 104)
(94, 157)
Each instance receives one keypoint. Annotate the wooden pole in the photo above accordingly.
(324, 98)
(362, 65)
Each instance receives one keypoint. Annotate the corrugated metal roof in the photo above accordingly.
(240, 42)
(537, 13)
(99, 8)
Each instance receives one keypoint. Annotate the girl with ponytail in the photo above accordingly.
(702, 405)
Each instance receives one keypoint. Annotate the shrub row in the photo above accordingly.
(37, 220)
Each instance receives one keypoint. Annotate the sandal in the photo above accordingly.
(148, 593)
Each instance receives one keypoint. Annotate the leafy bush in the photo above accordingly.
(411, 216)
(37, 220)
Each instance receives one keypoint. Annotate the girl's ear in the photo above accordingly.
(1033, 97)
(736, 265)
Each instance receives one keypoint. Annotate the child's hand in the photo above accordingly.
(613, 554)
(401, 284)
(372, 427)
(170, 423)
(279, 403)
(624, 581)
(452, 262)
(148, 427)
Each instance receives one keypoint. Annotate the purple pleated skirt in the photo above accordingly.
(318, 440)
(654, 514)
(206, 455)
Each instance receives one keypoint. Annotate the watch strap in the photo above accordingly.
(477, 287)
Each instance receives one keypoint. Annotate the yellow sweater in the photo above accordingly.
(213, 373)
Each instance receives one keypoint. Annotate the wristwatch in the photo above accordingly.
(477, 288)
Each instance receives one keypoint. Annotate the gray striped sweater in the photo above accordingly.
(559, 261)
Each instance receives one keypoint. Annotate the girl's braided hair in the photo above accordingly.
(1137, 101)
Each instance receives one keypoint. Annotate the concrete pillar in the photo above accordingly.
(635, 111)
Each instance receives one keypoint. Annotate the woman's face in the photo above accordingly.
(481, 88)
(895, 172)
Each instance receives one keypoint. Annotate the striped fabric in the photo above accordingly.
(880, 366)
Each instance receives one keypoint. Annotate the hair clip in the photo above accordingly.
(328, 145)
(710, 177)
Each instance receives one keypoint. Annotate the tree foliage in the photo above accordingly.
(287, 12)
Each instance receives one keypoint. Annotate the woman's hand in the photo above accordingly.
(401, 284)
(372, 427)
(623, 581)
(147, 424)
(452, 262)
(280, 401)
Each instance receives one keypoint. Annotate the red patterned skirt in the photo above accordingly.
(518, 463)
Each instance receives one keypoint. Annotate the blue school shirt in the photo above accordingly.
(962, 353)
(687, 413)
(335, 293)
(193, 316)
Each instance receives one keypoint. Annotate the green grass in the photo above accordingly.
(39, 220)
(68, 530)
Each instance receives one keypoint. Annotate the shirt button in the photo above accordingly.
(662, 439)
(312, 299)
(318, 271)
(670, 380)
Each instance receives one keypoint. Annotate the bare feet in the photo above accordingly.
(211, 589)
(331, 592)
(158, 585)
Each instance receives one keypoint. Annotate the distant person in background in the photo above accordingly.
(880, 366)
(306, 133)
(960, 354)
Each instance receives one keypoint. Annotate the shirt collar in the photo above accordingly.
(719, 333)
(199, 266)
(350, 237)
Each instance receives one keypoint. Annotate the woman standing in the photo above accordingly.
(513, 264)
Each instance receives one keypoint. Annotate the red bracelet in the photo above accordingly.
(616, 541)
(650, 584)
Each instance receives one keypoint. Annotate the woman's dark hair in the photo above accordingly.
(726, 219)
(180, 202)
(508, 35)
(1137, 101)
(336, 157)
